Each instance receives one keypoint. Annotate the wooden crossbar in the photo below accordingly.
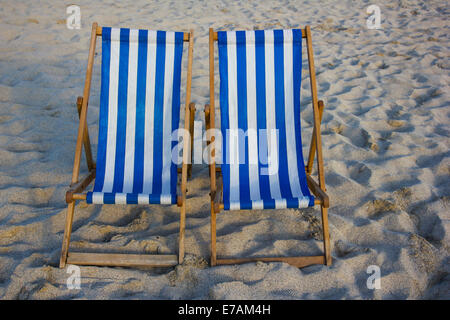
(186, 35)
(122, 260)
(299, 262)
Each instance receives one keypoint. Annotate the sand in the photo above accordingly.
(385, 135)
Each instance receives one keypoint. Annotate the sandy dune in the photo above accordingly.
(386, 149)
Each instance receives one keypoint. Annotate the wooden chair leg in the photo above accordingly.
(213, 236)
(182, 228)
(67, 233)
(326, 236)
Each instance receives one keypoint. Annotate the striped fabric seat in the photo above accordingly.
(139, 111)
(260, 74)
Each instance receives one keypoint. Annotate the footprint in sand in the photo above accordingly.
(346, 249)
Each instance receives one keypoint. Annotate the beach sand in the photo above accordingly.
(385, 144)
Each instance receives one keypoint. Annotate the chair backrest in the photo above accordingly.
(139, 111)
(260, 75)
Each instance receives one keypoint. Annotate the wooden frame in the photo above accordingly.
(77, 187)
(318, 189)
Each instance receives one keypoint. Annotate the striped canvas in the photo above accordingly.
(139, 110)
(260, 74)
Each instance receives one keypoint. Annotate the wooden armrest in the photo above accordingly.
(80, 186)
(317, 191)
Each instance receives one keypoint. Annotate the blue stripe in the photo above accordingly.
(121, 110)
(260, 59)
(297, 66)
(140, 112)
(244, 182)
(132, 198)
(224, 116)
(104, 106)
(89, 197)
(109, 198)
(176, 104)
(280, 119)
(159, 111)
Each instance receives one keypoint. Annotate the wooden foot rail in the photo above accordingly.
(122, 260)
(298, 262)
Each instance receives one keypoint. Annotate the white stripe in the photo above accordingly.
(289, 114)
(233, 118)
(303, 202)
(252, 127)
(131, 113)
(149, 113)
(165, 199)
(280, 203)
(258, 205)
(97, 197)
(120, 198)
(167, 113)
(235, 205)
(143, 198)
(112, 111)
(270, 114)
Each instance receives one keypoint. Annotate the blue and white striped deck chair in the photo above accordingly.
(138, 129)
(262, 164)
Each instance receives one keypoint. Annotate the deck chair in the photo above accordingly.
(260, 75)
(139, 111)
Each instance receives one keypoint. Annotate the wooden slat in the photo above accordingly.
(122, 260)
(186, 35)
(320, 170)
(312, 77)
(212, 111)
(84, 106)
(215, 37)
(298, 262)
(186, 149)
